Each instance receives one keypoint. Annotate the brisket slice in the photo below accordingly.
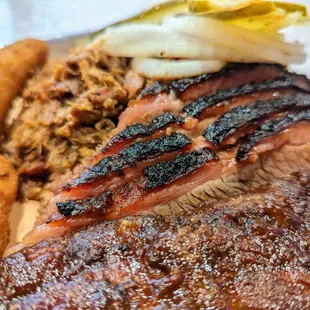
(292, 128)
(231, 76)
(131, 156)
(239, 117)
(244, 253)
(197, 107)
(172, 96)
(139, 130)
(140, 169)
(198, 94)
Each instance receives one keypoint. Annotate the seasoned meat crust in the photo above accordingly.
(250, 252)
(231, 121)
(271, 128)
(197, 107)
(233, 71)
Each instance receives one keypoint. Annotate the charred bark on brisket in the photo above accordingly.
(141, 130)
(76, 207)
(130, 156)
(268, 129)
(239, 117)
(166, 172)
(182, 85)
(195, 108)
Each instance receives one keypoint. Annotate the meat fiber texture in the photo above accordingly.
(248, 252)
(64, 112)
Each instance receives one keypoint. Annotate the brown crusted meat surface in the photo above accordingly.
(64, 113)
(251, 252)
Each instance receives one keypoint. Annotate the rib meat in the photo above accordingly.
(250, 252)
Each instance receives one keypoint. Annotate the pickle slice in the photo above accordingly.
(265, 16)
(212, 6)
(156, 14)
(256, 15)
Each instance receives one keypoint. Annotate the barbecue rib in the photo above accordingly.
(250, 252)
(189, 142)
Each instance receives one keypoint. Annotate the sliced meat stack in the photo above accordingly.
(189, 142)
(251, 252)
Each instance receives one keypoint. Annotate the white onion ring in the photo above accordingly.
(220, 33)
(147, 40)
(174, 69)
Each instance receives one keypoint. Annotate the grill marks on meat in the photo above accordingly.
(248, 252)
(239, 117)
(138, 130)
(293, 128)
(235, 81)
(185, 172)
(151, 165)
(197, 107)
(156, 175)
(76, 207)
(162, 97)
(207, 84)
(131, 155)
(125, 165)
(166, 172)
(134, 196)
(147, 110)
(133, 132)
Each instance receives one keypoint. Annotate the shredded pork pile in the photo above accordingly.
(65, 111)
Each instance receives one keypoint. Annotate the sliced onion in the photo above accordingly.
(230, 36)
(147, 40)
(173, 69)
(251, 36)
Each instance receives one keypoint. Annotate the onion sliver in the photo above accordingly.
(173, 69)
(147, 40)
(251, 36)
(223, 34)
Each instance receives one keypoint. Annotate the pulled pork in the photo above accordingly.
(65, 111)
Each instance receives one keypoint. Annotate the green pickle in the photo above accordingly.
(263, 16)
(212, 6)
(154, 15)
(258, 16)
(157, 13)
